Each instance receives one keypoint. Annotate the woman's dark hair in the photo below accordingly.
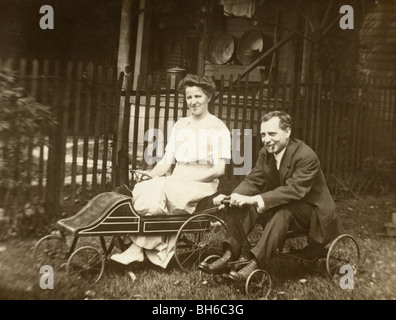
(285, 121)
(205, 83)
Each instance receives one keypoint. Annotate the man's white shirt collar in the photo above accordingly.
(278, 157)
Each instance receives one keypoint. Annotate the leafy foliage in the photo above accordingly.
(24, 123)
(376, 177)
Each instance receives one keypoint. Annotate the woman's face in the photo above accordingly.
(197, 101)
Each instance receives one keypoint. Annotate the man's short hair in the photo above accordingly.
(285, 121)
(205, 83)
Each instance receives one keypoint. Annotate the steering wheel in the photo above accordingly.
(140, 176)
(226, 201)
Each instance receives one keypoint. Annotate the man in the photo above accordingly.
(286, 190)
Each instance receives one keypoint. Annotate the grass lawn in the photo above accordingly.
(363, 218)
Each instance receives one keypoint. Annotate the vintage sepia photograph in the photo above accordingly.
(216, 152)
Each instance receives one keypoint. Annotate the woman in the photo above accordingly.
(200, 146)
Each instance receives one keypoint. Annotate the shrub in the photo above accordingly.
(24, 124)
(377, 176)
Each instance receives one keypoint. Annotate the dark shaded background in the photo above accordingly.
(83, 29)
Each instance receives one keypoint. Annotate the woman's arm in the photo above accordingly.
(211, 173)
(161, 168)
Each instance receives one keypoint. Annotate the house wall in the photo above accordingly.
(173, 49)
(286, 55)
(236, 27)
(167, 54)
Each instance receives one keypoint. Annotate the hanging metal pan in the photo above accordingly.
(221, 48)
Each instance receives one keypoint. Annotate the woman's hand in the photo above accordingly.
(147, 173)
(141, 175)
(218, 199)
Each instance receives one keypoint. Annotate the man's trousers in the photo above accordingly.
(276, 222)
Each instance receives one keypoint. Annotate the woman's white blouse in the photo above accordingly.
(206, 145)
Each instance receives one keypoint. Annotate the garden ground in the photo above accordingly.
(364, 218)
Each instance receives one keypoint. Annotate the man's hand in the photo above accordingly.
(218, 199)
(238, 200)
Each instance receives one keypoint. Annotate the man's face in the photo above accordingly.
(273, 137)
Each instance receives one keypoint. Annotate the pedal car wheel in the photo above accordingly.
(198, 237)
(258, 285)
(344, 250)
(50, 250)
(86, 263)
(203, 276)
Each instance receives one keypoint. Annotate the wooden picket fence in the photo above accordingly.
(102, 121)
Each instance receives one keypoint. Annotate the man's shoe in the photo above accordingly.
(313, 252)
(218, 266)
(244, 273)
(320, 251)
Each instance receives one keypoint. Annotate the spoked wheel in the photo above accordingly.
(199, 237)
(86, 263)
(258, 285)
(344, 250)
(50, 250)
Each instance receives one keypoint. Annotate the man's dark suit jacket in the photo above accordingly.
(299, 178)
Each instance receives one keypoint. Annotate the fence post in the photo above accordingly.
(76, 130)
(88, 86)
(44, 100)
(167, 101)
(136, 122)
(52, 190)
(107, 121)
(115, 172)
(149, 84)
(33, 91)
(97, 121)
(228, 121)
(123, 154)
